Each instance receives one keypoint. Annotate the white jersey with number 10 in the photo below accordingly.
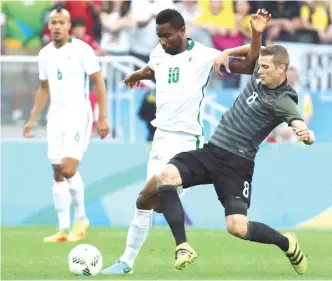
(180, 83)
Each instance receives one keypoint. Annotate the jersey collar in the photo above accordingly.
(70, 39)
(191, 44)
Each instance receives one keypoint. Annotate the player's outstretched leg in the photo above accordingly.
(81, 223)
(238, 225)
(171, 206)
(138, 230)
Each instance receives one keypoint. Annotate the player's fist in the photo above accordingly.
(303, 134)
(27, 129)
(131, 81)
(102, 127)
(222, 60)
(260, 20)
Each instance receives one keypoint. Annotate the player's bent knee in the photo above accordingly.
(68, 171)
(237, 225)
(169, 176)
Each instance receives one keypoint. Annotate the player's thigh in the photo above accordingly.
(195, 167)
(76, 140)
(55, 140)
(234, 179)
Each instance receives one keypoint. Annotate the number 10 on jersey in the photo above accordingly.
(173, 75)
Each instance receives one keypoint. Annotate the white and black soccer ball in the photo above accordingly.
(85, 260)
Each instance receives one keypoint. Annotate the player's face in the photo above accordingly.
(269, 72)
(79, 31)
(170, 39)
(59, 26)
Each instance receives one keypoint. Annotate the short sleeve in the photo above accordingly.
(151, 64)
(286, 110)
(213, 54)
(41, 67)
(90, 63)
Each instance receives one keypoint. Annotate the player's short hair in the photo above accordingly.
(60, 9)
(279, 53)
(171, 16)
(77, 22)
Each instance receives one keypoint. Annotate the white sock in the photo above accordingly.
(137, 234)
(76, 187)
(61, 198)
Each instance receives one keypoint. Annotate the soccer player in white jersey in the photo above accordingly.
(65, 66)
(181, 68)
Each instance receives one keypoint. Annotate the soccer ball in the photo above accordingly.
(85, 260)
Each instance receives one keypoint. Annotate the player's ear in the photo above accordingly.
(183, 30)
(281, 68)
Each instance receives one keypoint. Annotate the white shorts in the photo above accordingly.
(166, 144)
(68, 140)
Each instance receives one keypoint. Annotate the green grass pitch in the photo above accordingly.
(24, 255)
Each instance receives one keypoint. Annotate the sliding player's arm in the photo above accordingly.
(229, 61)
(286, 111)
(41, 100)
(92, 68)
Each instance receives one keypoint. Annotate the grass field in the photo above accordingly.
(26, 256)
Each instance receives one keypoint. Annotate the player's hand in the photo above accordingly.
(303, 134)
(260, 20)
(131, 81)
(222, 60)
(102, 127)
(27, 129)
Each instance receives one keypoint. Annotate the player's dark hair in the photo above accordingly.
(59, 9)
(279, 53)
(77, 22)
(171, 16)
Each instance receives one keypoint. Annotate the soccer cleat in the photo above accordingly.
(60, 236)
(78, 230)
(118, 268)
(295, 254)
(184, 255)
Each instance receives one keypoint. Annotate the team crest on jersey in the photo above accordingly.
(190, 58)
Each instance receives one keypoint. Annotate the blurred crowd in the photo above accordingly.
(127, 27)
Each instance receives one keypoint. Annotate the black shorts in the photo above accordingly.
(230, 174)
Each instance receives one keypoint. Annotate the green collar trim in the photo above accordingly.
(191, 44)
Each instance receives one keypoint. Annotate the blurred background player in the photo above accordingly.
(65, 65)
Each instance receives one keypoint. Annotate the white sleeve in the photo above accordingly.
(90, 62)
(151, 62)
(212, 54)
(41, 68)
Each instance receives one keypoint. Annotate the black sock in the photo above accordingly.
(261, 233)
(172, 208)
